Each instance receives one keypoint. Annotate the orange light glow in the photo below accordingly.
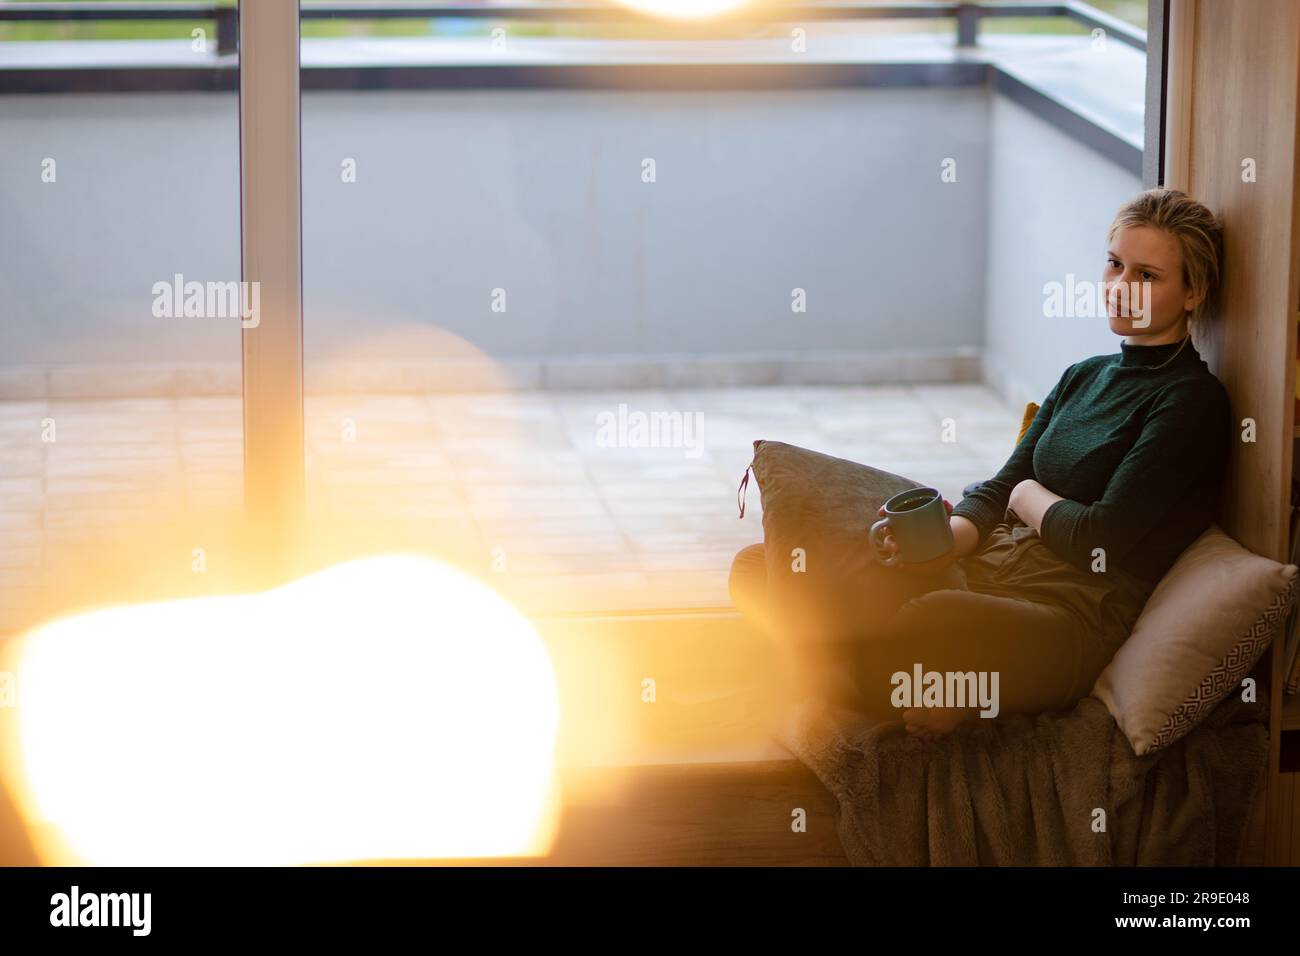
(386, 708)
(685, 9)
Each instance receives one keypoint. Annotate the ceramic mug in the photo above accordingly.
(918, 520)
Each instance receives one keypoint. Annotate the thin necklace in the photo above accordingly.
(1172, 357)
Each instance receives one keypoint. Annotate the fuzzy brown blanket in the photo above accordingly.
(1050, 789)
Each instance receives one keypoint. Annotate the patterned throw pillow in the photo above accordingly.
(1201, 632)
(1230, 671)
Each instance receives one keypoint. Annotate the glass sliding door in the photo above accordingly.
(120, 421)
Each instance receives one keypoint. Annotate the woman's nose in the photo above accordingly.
(1119, 293)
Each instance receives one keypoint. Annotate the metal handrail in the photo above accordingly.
(967, 14)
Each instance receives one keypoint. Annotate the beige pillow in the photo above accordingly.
(1205, 625)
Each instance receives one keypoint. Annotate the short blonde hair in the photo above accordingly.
(1199, 233)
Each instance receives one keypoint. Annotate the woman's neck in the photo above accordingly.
(1169, 336)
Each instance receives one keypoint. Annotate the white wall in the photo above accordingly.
(539, 192)
(145, 186)
(1051, 202)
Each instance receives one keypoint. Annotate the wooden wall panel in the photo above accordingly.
(1244, 71)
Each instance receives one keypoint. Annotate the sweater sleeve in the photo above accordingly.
(987, 506)
(1184, 440)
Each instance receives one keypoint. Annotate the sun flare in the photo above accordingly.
(386, 708)
(685, 9)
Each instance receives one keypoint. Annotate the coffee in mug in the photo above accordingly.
(919, 521)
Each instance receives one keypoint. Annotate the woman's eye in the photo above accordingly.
(1148, 276)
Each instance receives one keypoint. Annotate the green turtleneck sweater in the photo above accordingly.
(1138, 453)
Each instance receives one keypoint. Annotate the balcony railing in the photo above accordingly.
(968, 16)
(707, 60)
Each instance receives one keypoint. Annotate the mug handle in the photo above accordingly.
(876, 529)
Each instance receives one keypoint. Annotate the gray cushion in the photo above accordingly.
(817, 511)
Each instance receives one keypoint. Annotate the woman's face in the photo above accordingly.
(1145, 295)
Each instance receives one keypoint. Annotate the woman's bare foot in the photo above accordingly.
(934, 723)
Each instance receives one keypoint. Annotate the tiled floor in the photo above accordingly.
(558, 515)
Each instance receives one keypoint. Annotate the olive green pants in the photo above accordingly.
(1046, 629)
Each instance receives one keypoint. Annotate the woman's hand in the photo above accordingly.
(888, 547)
(1030, 500)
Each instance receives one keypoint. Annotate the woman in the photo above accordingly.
(1054, 557)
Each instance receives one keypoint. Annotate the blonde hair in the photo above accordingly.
(1198, 231)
